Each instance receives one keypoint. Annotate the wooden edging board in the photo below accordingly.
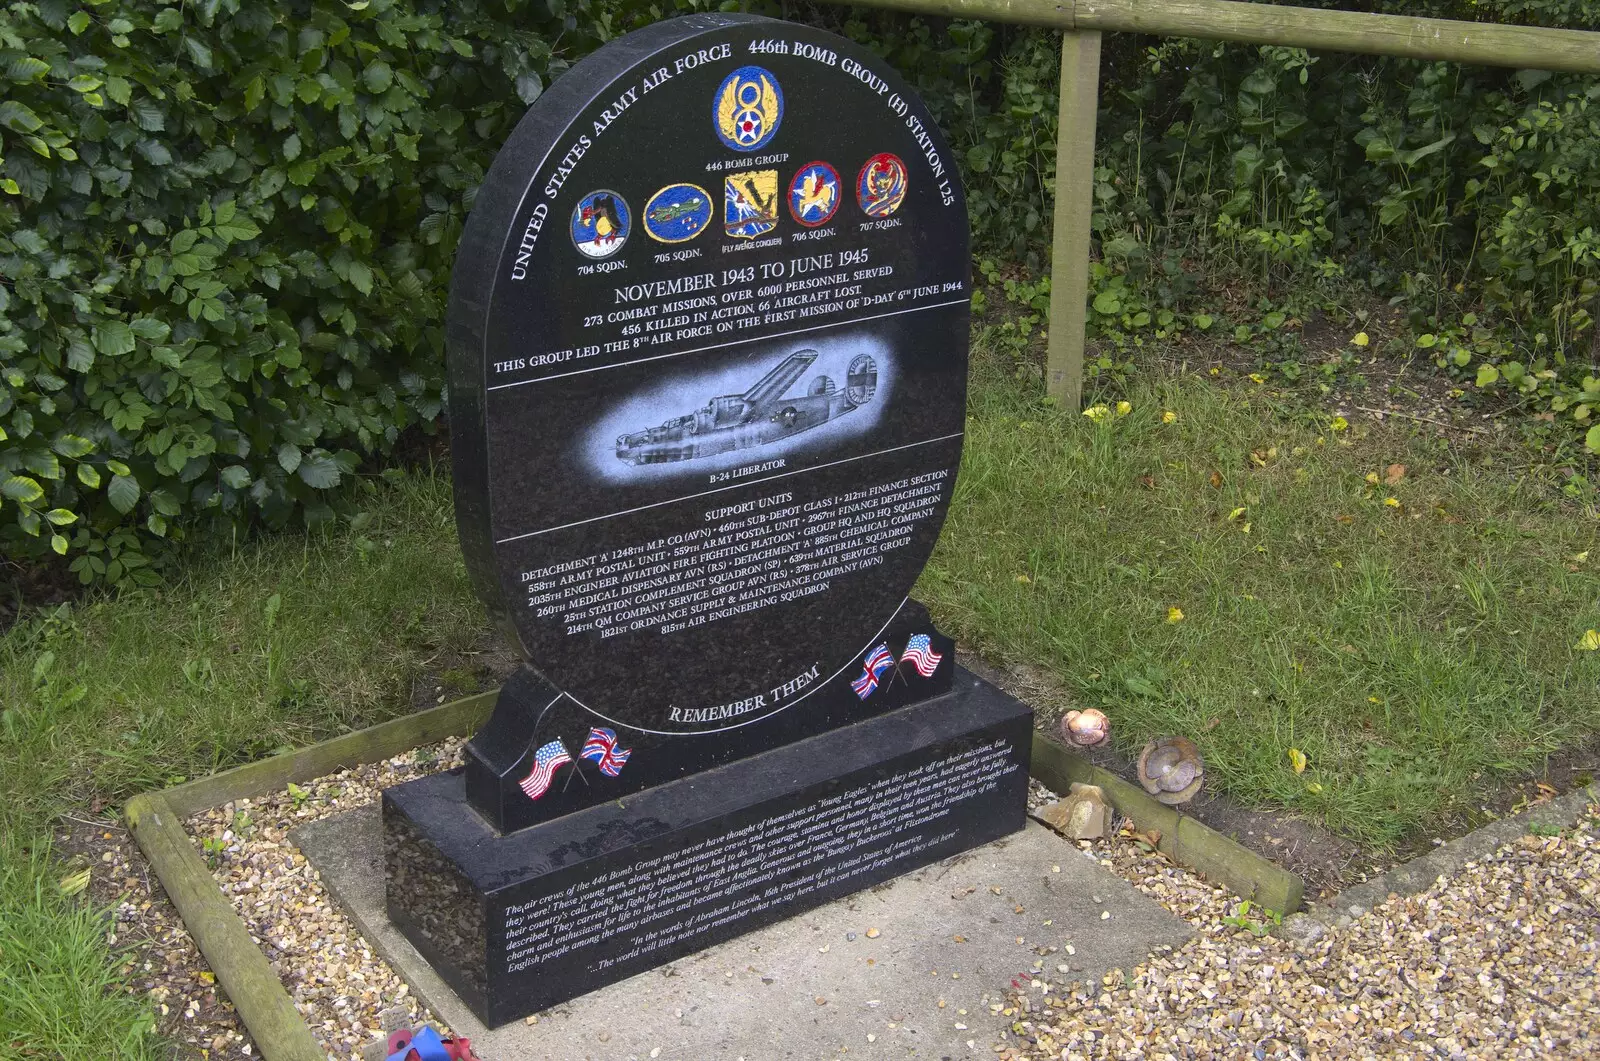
(156, 819)
(279, 1031)
(1183, 839)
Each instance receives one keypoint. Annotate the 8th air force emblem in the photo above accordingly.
(881, 185)
(814, 194)
(748, 109)
(750, 203)
(677, 213)
(600, 224)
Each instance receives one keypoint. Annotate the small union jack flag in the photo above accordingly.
(601, 749)
(546, 761)
(920, 654)
(878, 660)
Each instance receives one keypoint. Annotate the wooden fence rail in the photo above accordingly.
(1480, 43)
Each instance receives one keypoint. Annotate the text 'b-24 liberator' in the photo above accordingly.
(759, 416)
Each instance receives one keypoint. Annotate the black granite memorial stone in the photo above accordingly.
(708, 335)
(708, 350)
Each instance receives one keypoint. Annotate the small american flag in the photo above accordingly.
(920, 654)
(878, 660)
(546, 761)
(601, 749)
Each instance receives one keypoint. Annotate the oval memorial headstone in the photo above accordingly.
(708, 345)
(708, 350)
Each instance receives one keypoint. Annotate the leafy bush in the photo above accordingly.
(225, 238)
(226, 228)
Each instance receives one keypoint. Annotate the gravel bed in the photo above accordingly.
(1429, 975)
(348, 995)
(1498, 961)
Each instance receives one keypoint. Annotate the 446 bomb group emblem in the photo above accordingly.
(748, 109)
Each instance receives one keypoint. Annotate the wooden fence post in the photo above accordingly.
(1069, 248)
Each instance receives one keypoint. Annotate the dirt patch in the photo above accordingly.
(452, 675)
(160, 960)
(1314, 361)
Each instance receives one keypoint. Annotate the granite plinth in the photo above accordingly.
(530, 712)
(520, 922)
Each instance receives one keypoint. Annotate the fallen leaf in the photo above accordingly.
(1314, 788)
(1236, 513)
(1148, 482)
(1097, 413)
(1168, 416)
(1392, 502)
(1211, 723)
(1340, 423)
(1175, 615)
(1394, 473)
(1024, 579)
(1297, 759)
(1344, 519)
(1361, 339)
(1589, 642)
(1124, 408)
(1372, 478)
(1216, 480)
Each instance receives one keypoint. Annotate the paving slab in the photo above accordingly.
(862, 977)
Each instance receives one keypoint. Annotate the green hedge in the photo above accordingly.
(226, 228)
(225, 239)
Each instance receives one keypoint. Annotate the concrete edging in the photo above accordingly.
(1419, 874)
(242, 970)
(156, 819)
(1183, 839)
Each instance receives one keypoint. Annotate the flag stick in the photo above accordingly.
(897, 674)
(575, 770)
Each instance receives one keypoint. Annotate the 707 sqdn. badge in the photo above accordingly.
(748, 109)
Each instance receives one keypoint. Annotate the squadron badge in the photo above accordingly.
(750, 203)
(881, 185)
(814, 194)
(677, 213)
(748, 109)
(601, 223)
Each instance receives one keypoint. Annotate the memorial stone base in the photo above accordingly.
(520, 922)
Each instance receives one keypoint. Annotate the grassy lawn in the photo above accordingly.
(281, 641)
(1411, 650)
(1413, 639)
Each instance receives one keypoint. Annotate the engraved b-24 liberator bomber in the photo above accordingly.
(759, 416)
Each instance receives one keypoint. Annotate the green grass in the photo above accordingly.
(1413, 653)
(59, 996)
(283, 640)
(278, 642)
